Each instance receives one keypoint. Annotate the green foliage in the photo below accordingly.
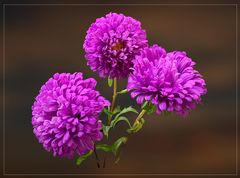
(118, 117)
(152, 109)
(83, 157)
(136, 126)
(104, 147)
(116, 110)
(144, 105)
(117, 144)
(114, 147)
(106, 129)
(126, 110)
(149, 107)
(110, 82)
(117, 160)
(107, 112)
(121, 118)
(122, 91)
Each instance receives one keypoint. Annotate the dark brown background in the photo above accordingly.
(42, 40)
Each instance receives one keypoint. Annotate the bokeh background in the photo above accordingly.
(43, 40)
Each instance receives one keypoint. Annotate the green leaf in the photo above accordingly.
(106, 129)
(110, 82)
(152, 109)
(117, 160)
(149, 107)
(113, 148)
(121, 118)
(126, 110)
(136, 126)
(116, 110)
(104, 147)
(123, 91)
(83, 157)
(117, 144)
(107, 112)
(144, 105)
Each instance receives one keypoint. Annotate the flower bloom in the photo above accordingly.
(65, 114)
(169, 80)
(111, 44)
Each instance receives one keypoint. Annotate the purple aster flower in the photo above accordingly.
(169, 80)
(65, 114)
(111, 44)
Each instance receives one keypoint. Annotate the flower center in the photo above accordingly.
(117, 46)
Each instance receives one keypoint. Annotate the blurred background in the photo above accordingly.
(43, 40)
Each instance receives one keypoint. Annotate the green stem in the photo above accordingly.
(113, 97)
(96, 156)
(111, 109)
(114, 93)
(140, 115)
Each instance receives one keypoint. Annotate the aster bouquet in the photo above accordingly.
(66, 112)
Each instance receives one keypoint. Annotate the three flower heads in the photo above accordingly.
(65, 114)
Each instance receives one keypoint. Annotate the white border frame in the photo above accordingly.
(4, 82)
